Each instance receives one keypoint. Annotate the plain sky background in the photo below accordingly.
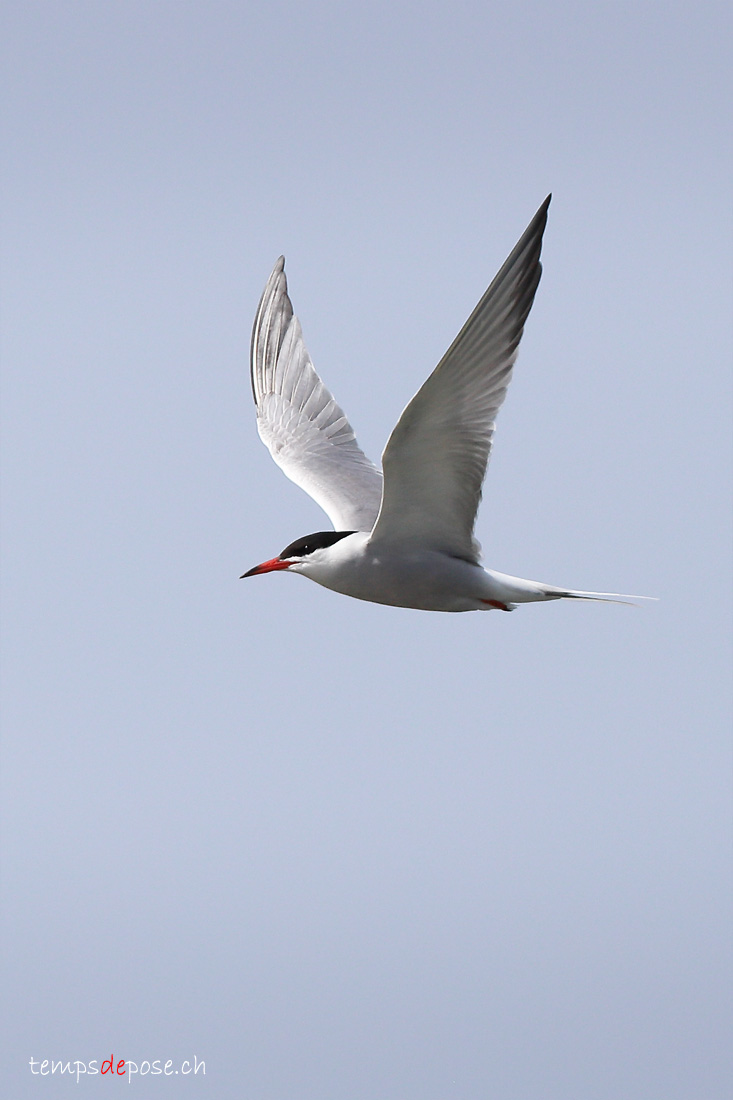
(342, 851)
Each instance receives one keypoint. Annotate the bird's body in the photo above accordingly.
(404, 576)
(403, 535)
(413, 576)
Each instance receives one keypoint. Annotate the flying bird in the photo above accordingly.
(403, 535)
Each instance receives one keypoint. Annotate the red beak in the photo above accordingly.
(267, 567)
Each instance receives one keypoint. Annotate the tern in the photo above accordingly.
(403, 535)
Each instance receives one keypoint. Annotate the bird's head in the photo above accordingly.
(304, 550)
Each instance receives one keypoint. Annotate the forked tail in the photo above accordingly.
(606, 597)
(515, 590)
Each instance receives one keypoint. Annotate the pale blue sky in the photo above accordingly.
(342, 851)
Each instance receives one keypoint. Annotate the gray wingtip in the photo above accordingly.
(540, 219)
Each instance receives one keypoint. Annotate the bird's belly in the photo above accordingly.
(426, 581)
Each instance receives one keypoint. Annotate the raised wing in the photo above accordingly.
(435, 460)
(306, 432)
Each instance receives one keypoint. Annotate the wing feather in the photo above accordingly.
(305, 430)
(435, 461)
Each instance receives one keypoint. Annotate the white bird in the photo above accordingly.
(403, 535)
